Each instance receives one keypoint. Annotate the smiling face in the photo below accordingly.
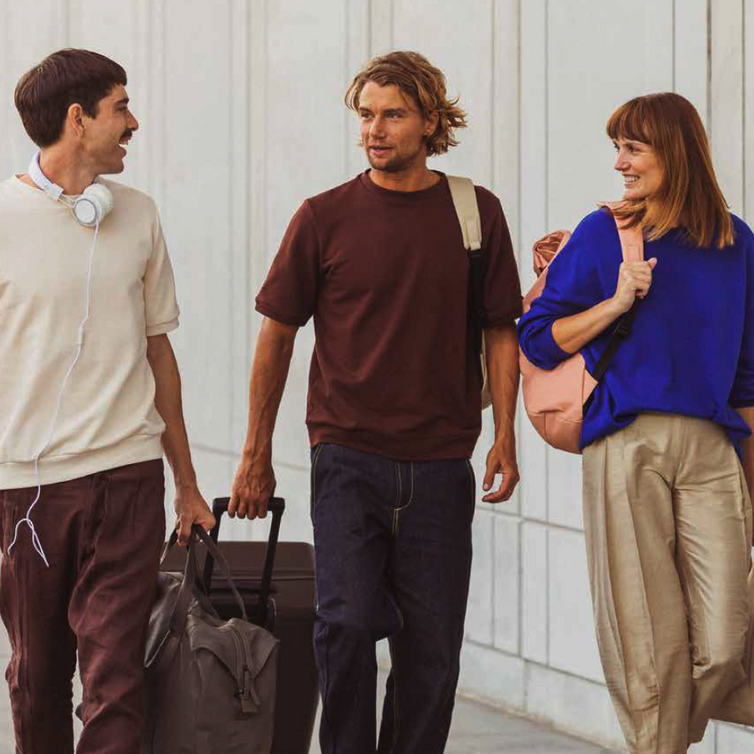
(641, 169)
(106, 135)
(393, 130)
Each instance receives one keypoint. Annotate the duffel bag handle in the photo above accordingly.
(190, 582)
(276, 507)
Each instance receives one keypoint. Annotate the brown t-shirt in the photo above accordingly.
(385, 276)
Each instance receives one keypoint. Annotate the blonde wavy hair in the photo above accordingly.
(421, 81)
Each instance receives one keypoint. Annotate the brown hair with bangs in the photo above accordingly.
(689, 195)
(67, 77)
(421, 81)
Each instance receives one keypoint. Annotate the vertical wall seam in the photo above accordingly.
(493, 178)
(518, 242)
(743, 105)
(141, 55)
(6, 69)
(66, 18)
(520, 587)
(547, 596)
(546, 183)
(369, 10)
(232, 173)
(265, 99)
(493, 633)
(163, 88)
(392, 24)
(149, 89)
(519, 122)
(672, 12)
(547, 112)
(493, 99)
(248, 251)
(547, 223)
(346, 78)
(251, 199)
(709, 69)
(259, 127)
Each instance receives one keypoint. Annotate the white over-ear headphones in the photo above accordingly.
(90, 208)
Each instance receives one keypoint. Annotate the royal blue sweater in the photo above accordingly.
(691, 349)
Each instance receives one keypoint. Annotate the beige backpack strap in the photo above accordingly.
(464, 201)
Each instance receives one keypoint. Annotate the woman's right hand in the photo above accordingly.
(634, 281)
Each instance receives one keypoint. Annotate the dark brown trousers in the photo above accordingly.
(102, 535)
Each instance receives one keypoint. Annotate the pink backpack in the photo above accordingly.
(554, 399)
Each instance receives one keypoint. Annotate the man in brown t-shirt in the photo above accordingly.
(393, 409)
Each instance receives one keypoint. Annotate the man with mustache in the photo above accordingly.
(393, 409)
(89, 399)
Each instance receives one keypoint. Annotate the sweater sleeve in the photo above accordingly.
(573, 285)
(742, 393)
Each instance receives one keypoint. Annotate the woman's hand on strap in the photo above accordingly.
(634, 281)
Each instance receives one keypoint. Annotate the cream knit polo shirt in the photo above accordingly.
(107, 416)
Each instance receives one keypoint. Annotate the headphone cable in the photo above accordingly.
(27, 519)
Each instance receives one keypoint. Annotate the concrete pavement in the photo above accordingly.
(477, 729)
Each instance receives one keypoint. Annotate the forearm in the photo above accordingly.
(170, 407)
(574, 332)
(272, 359)
(747, 449)
(501, 345)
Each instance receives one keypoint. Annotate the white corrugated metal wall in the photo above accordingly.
(240, 103)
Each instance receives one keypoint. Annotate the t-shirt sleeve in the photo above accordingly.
(289, 294)
(572, 286)
(742, 393)
(160, 302)
(502, 287)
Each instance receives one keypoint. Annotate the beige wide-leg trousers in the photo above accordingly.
(668, 528)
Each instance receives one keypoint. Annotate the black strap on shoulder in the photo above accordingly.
(477, 312)
(620, 333)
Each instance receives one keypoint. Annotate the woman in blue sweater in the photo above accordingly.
(667, 458)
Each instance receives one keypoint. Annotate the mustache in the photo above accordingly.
(127, 134)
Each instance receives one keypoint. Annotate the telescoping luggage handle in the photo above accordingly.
(276, 506)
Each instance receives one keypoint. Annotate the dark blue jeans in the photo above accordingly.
(393, 559)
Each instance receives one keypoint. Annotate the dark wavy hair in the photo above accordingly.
(67, 77)
(421, 81)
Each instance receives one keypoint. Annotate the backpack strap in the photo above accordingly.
(465, 203)
(467, 209)
(632, 247)
(631, 243)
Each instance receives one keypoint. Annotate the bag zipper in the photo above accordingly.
(250, 702)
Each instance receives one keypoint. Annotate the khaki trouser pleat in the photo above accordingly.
(668, 522)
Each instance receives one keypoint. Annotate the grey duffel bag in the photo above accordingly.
(210, 683)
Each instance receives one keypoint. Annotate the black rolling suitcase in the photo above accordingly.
(276, 582)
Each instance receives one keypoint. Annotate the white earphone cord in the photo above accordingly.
(27, 519)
